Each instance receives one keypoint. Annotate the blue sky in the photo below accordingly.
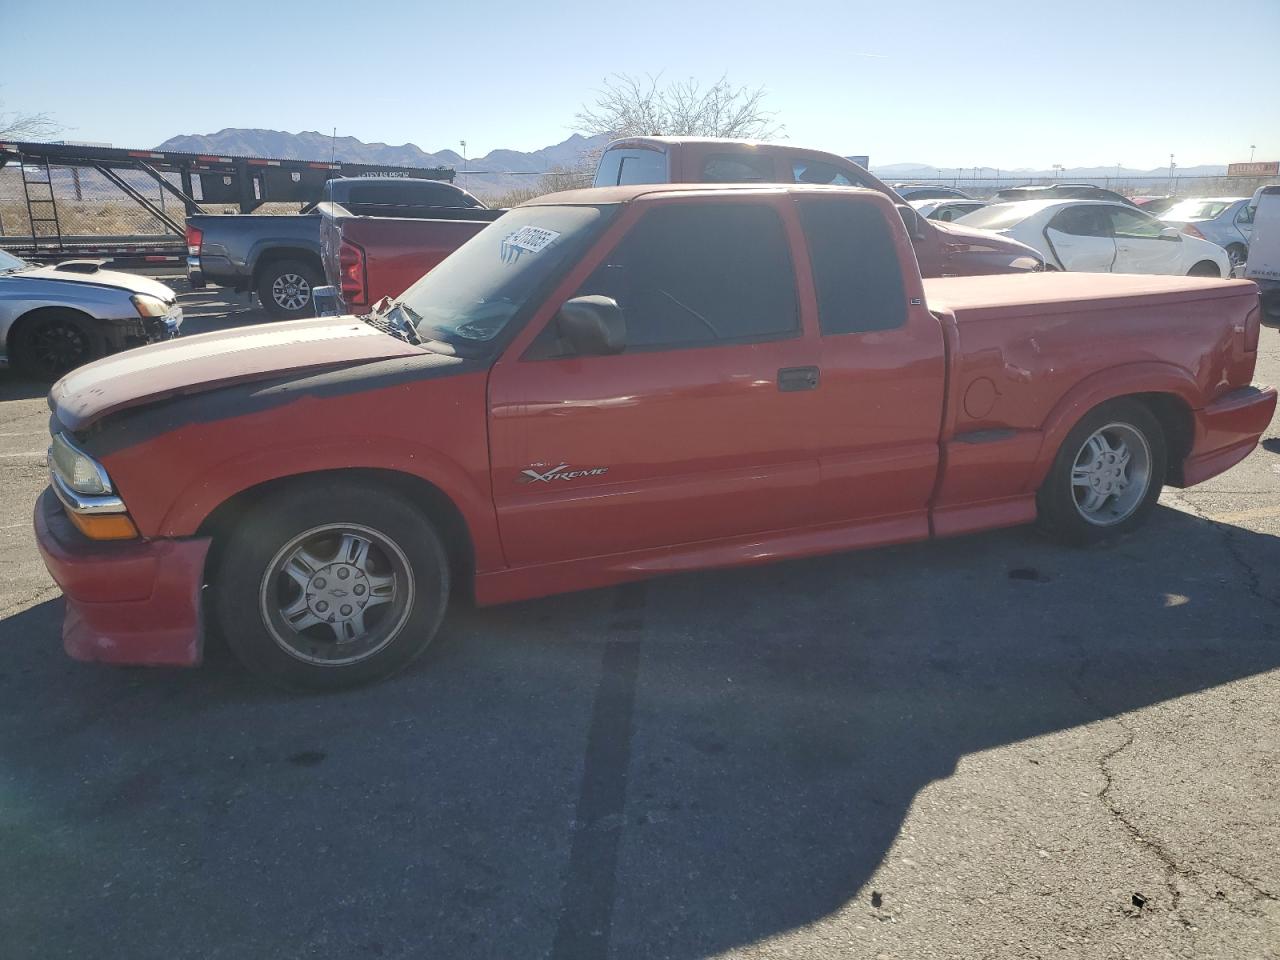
(951, 84)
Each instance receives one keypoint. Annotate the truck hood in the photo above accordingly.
(209, 360)
(104, 278)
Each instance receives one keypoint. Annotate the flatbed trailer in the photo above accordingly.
(188, 180)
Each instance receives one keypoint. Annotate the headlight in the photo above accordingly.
(148, 306)
(78, 470)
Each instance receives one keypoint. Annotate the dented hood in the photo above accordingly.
(209, 360)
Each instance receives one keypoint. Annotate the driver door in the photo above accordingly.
(702, 428)
(1080, 239)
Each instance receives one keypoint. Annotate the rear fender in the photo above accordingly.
(1110, 384)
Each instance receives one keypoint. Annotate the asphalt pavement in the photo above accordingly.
(986, 747)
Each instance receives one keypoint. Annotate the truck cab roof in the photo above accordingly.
(596, 196)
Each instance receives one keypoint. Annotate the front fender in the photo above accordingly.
(1098, 388)
(193, 505)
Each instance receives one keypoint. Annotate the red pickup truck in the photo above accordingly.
(610, 384)
(368, 258)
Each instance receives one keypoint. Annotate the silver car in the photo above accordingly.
(55, 318)
(1226, 221)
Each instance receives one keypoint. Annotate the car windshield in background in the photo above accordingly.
(1196, 209)
(998, 216)
(474, 293)
(9, 263)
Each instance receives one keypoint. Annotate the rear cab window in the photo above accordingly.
(738, 168)
(626, 165)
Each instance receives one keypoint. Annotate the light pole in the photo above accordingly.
(1057, 170)
(1252, 147)
(464, 162)
(1171, 166)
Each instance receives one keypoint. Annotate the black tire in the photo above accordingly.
(253, 593)
(284, 288)
(48, 343)
(1205, 268)
(1062, 516)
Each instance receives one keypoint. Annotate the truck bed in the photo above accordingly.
(1023, 351)
(1036, 294)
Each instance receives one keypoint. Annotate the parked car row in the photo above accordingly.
(1095, 236)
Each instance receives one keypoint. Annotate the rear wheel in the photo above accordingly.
(1237, 253)
(49, 343)
(1205, 268)
(331, 586)
(1107, 475)
(284, 288)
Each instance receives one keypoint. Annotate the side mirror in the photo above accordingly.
(592, 326)
(1171, 233)
(326, 302)
(912, 221)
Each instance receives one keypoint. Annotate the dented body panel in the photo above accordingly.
(578, 471)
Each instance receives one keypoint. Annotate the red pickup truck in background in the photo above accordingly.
(369, 258)
(611, 384)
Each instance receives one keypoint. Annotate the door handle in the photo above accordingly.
(797, 378)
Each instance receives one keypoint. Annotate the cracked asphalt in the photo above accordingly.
(987, 747)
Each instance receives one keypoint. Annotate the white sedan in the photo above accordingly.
(1095, 236)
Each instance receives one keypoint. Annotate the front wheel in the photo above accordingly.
(331, 586)
(284, 288)
(49, 343)
(1238, 254)
(1107, 475)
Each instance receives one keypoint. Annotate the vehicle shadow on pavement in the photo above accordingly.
(15, 387)
(672, 769)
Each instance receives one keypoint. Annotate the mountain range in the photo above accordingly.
(502, 170)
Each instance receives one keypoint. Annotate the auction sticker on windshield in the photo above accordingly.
(532, 239)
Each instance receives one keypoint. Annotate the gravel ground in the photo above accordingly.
(985, 747)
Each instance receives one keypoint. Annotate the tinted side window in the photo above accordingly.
(1081, 222)
(698, 274)
(738, 168)
(1133, 224)
(855, 267)
(1245, 215)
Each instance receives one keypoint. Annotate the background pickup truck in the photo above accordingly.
(278, 257)
(368, 260)
(612, 384)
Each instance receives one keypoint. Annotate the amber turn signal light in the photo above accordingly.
(104, 526)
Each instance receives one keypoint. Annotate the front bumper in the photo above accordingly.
(135, 601)
(1226, 431)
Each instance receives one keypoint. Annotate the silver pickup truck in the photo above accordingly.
(278, 257)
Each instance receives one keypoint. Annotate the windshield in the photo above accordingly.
(9, 262)
(1196, 209)
(998, 216)
(474, 293)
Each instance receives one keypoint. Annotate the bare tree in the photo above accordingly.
(27, 126)
(628, 106)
